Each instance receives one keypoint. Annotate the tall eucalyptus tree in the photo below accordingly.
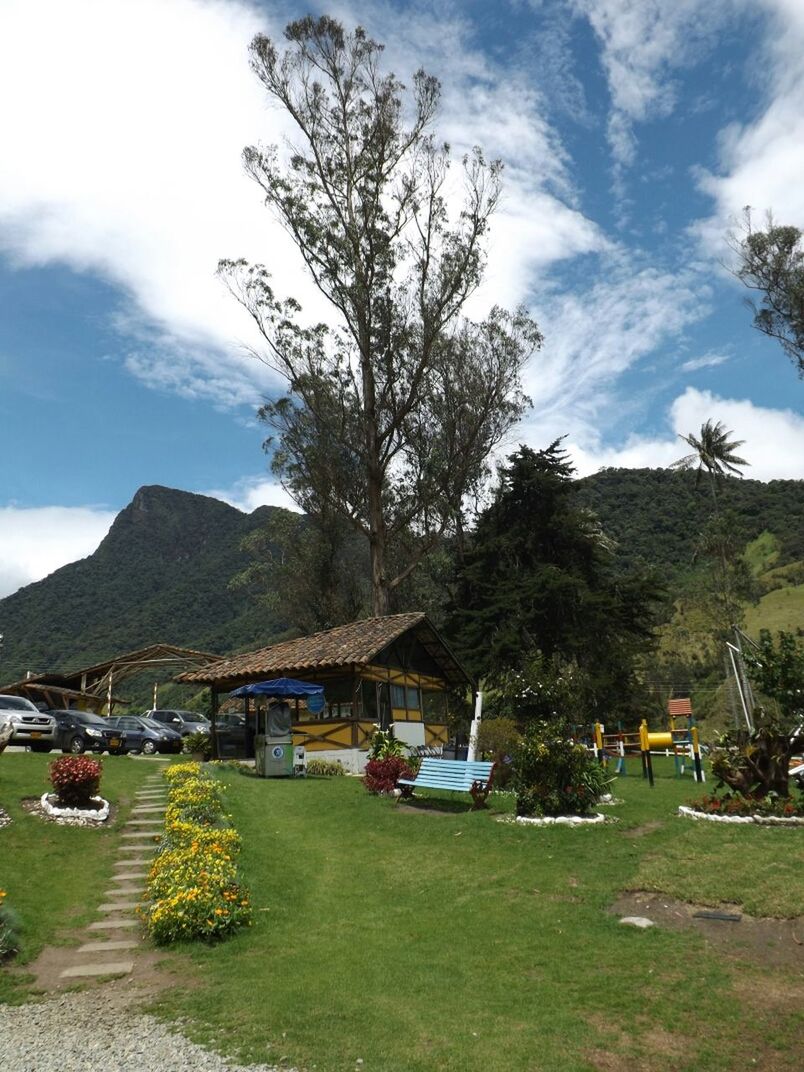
(391, 414)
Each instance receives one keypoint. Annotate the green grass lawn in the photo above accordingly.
(416, 941)
(54, 875)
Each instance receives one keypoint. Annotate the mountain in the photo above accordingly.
(163, 571)
(161, 574)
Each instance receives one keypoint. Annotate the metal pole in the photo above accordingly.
(471, 753)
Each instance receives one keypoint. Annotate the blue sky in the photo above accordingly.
(633, 132)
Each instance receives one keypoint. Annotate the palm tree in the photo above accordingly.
(713, 452)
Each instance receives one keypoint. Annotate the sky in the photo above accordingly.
(633, 133)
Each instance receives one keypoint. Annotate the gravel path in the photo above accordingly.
(97, 1031)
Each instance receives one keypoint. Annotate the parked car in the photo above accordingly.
(144, 735)
(184, 722)
(29, 725)
(82, 731)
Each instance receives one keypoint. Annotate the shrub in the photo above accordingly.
(198, 742)
(75, 780)
(381, 775)
(555, 776)
(384, 745)
(9, 929)
(499, 739)
(329, 768)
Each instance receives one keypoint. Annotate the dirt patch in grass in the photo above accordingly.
(151, 969)
(644, 828)
(765, 942)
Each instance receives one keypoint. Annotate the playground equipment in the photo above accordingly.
(682, 741)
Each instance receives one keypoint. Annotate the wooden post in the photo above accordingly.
(109, 694)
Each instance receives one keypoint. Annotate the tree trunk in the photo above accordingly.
(378, 537)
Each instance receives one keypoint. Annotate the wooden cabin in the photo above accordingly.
(393, 671)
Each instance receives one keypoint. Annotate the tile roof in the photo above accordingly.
(346, 645)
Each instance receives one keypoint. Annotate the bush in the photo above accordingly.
(555, 776)
(199, 741)
(9, 929)
(381, 775)
(499, 739)
(75, 780)
(329, 768)
(385, 746)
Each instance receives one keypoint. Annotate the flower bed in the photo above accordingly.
(193, 885)
(771, 810)
(95, 811)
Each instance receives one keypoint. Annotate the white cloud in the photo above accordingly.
(711, 359)
(121, 157)
(644, 43)
(248, 493)
(761, 162)
(774, 438)
(35, 541)
(593, 336)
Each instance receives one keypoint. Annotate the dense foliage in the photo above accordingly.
(538, 576)
(75, 779)
(381, 775)
(161, 574)
(654, 516)
(756, 764)
(554, 775)
(325, 768)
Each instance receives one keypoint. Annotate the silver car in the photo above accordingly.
(29, 725)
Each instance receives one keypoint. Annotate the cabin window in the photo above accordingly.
(435, 707)
(405, 698)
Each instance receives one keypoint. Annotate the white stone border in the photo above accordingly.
(97, 815)
(757, 820)
(556, 820)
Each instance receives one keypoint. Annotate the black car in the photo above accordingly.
(143, 735)
(81, 731)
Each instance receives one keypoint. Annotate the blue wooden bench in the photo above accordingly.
(458, 775)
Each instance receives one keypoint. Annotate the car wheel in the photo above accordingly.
(77, 746)
(148, 748)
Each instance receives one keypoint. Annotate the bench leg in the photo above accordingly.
(407, 792)
(480, 791)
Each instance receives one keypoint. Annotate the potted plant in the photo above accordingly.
(199, 745)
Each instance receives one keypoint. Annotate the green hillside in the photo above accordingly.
(161, 574)
(655, 515)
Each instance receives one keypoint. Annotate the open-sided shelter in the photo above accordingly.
(393, 670)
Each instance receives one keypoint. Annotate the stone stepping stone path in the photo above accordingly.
(113, 935)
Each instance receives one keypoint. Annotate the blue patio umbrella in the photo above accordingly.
(286, 688)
